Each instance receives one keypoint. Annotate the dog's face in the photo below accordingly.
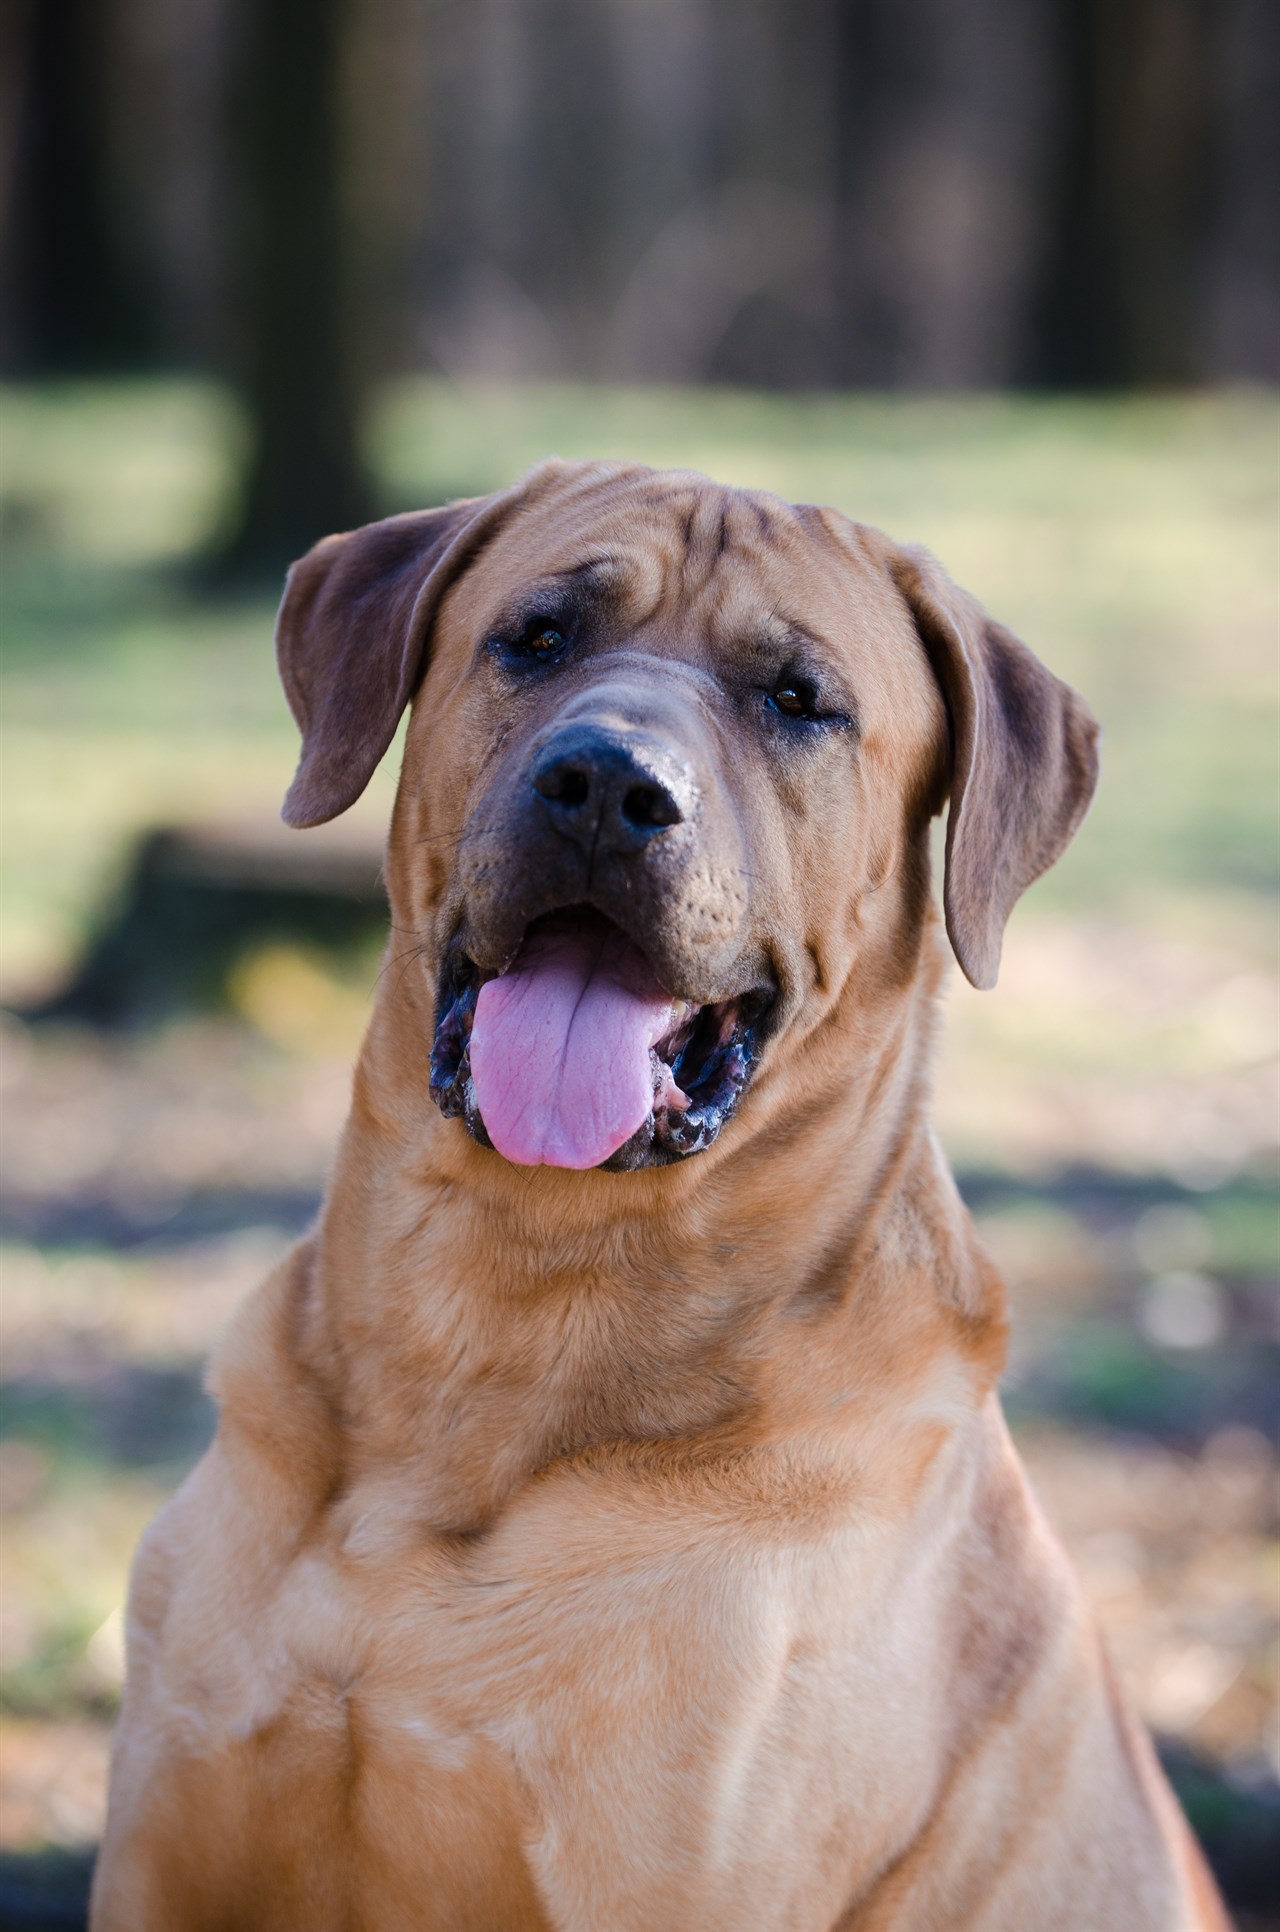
(673, 753)
(671, 736)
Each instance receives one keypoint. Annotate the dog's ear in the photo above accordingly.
(352, 638)
(1024, 760)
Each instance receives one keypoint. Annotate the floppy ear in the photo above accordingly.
(352, 637)
(1024, 760)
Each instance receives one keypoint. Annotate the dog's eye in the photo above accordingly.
(797, 698)
(539, 642)
(794, 698)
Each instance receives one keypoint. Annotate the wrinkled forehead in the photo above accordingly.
(677, 557)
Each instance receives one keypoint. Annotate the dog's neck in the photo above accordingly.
(479, 1321)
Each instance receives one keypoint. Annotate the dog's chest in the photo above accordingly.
(600, 1716)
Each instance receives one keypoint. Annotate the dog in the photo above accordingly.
(611, 1525)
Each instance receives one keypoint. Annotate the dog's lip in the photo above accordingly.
(464, 963)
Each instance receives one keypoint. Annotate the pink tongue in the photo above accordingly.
(560, 1047)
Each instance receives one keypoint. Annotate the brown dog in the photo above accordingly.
(617, 1531)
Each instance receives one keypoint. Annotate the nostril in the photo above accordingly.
(563, 784)
(650, 805)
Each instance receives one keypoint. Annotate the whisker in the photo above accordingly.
(415, 953)
(448, 839)
(409, 954)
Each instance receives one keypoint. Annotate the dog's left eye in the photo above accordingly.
(795, 698)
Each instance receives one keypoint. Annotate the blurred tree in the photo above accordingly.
(882, 193)
(296, 335)
(1122, 299)
(75, 299)
(1243, 336)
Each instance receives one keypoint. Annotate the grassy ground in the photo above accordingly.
(1111, 1108)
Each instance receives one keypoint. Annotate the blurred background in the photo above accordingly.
(1000, 275)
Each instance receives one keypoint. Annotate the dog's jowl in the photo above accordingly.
(611, 1526)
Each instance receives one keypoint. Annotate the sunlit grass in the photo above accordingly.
(118, 475)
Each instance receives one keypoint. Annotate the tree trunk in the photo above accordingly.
(298, 334)
(75, 301)
(1122, 299)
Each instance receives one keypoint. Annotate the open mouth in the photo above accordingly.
(575, 1056)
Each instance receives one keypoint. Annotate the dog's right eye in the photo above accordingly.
(546, 642)
(537, 642)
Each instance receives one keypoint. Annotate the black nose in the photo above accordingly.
(608, 792)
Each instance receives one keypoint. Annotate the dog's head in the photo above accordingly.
(672, 758)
